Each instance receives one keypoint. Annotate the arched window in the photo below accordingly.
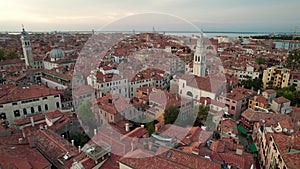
(24, 111)
(189, 94)
(46, 107)
(57, 105)
(39, 108)
(3, 116)
(32, 109)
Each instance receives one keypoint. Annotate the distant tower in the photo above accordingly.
(199, 68)
(27, 52)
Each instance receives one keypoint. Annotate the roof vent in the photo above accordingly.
(207, 156)
(66, 156)
(169, 154)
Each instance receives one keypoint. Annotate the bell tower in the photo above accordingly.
(199, 67)
(27, 51)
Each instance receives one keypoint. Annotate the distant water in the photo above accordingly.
(215, 34)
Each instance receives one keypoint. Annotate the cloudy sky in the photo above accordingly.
(211, 15)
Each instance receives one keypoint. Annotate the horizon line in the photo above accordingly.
(158, 31)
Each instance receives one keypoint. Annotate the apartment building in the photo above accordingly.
(276, 76)
(17, 102)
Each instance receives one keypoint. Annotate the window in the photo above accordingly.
(39, 108)
(15, 103)
(56, 96)
(232, 108)
(44, 98)
(3, 116)
(32, 109)
(57, 105)
(24, 111)
(17, 113)
(46, 107)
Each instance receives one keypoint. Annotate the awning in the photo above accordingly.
(253, 148)
(242, 129)
(55, 76)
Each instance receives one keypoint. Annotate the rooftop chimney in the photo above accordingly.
(95, 132)
(127, 127)
(239, 150)
(24, 134)
(72, 141)
(79, 149)
(32, 121)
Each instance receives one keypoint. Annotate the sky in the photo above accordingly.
(210, 15)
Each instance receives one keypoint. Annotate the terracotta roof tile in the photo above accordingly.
(18, 93)
(281, 99)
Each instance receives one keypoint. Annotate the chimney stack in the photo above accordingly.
(95, 132)
(127, 127)
(79, 149)
(72, 141)
(32, 121)
(24, 134)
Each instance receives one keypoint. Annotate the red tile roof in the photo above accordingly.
(281, 99)
(11, 61)
(254, 116)
(204, 83)
(39, 117)
(137, 132)
(22, 156)
(108, 102)
(18, 93)
(27, 120)
(284, 142)
(239, 93)
(243, 161)
(229, 125)
(217, 146)
(53, 145)
(260, 99)
(270, 91)
(170, 159)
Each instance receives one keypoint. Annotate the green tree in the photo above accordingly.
(291, 94)
(171, 115)
(80, 139)
(293, 60)
(260, 60)
(201, 115)
(2, 54)
(11, 55)
(150, 126)
(85, 113)
(255, 84)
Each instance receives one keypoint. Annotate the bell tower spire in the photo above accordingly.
(27, 51)
(199, 67)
